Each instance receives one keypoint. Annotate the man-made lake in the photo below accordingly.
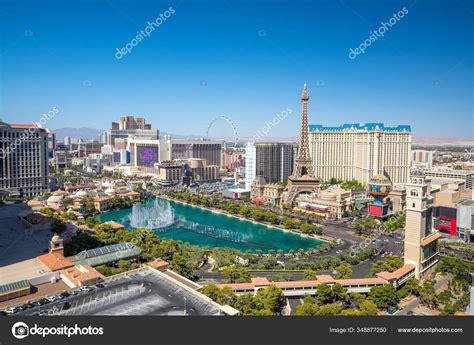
(173, 220)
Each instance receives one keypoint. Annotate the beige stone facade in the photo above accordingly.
(355, 151)
(421, 248)
(327, 203)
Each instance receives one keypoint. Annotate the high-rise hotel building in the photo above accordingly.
(210, 150)
(129, 127)
(273, 161)
(24, 168)
(355, 151)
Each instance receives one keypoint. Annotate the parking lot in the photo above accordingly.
(139, 293)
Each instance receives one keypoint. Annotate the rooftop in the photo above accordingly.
(361, 281)
(23, 270)
(115, 225)
(397, 274)
(81, 274)
(431, 238)
(159, 264)
(18, 285)
(359, 127)
(102, 255)
(144, 291)
(55, 261)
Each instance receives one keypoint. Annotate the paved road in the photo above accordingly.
(293, 302)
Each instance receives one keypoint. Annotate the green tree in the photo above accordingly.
(324, 294)
(308, 308)
(205, 201)
(271, 217)
(272, 298)
(236, 275)
(389, 264)
(211, 291)
(226, 296)
(459, 268)
(343, 271)
(47, 212)
(244, 210)
(413, 286)
(92, 222)
(288, 223)
(339, 293)
(428, 295)
(245, 303)
(383, 296)
(309, 275)
(179, 264)
(332, 309)
(257, 214)
(67, 201)
(368, 307)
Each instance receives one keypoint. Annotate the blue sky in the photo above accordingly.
(243, 59)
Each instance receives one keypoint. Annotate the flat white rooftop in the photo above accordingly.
(27, 269)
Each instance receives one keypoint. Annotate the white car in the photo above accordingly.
(12, 310)
(51, 298)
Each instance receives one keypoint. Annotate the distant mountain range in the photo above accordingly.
(87, 133)
(83, 133)
(432, 141)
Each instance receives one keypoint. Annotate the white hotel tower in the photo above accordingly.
(355, 151)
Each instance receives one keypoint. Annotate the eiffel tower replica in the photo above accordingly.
(302, 179)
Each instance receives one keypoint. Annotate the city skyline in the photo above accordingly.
(200, 64)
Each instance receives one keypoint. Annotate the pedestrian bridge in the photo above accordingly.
(301, 288)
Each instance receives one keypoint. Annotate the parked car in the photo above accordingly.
(51, 298)
(65, 294)
(12, 310)
(100, 286)
(86, 288)
(37, 303)
(66, 306)
(22, 307)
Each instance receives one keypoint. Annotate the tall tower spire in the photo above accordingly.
(303, 149)
(302, 179)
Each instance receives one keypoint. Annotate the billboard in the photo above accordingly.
(147, 156)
